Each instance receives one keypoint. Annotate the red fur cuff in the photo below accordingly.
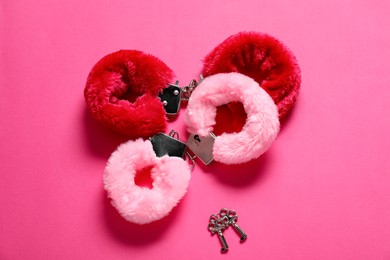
(122, 93)
(263, 58)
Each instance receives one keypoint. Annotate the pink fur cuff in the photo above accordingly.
(141, 205)
(262, 122)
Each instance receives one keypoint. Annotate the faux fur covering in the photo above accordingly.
(263, 58)
(141, 205)
(121, 93)
(261, 126)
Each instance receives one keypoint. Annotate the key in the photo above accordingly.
(215, 227)
(232, 218)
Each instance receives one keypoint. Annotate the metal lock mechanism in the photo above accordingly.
(171, 99)
(202, 147)
(173, 95)
(168, 145)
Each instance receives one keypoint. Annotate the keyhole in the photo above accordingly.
(196, 137)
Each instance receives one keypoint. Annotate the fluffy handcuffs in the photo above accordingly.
(251, 81)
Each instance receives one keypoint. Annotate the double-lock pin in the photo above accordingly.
(221, 221)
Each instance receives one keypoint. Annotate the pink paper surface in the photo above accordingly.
(321, 192)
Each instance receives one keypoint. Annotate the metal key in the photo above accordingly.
(232, 218)
(215, 226)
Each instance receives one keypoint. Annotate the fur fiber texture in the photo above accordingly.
(262, 122)
(121, 93)
(265, 59)
(141, 205)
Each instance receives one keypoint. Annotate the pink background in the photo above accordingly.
(321, 192)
